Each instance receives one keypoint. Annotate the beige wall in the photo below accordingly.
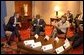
(74, 7)
(46, 8)
(37, 8)
(10, 10)
(81, 6)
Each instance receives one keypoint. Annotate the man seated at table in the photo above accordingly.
(38, 25)
(60, 27)
(78, 37)
(12, 27)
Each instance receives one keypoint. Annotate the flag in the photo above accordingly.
(3, 14)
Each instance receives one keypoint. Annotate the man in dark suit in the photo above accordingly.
(38, 25)
(12, 26)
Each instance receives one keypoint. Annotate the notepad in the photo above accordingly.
(47, 47)
(57, 39)
(28, 42)
(36, 36)
(59, 50)
(37, 44)
(46, 37)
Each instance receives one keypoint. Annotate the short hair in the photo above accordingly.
(38, 15)
(64, 17)
(16, 13)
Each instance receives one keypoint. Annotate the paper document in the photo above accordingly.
(47, 47)
(66, 44)
(28, 42)
(46, 37)
(36, 36)
(59, 50)
(37, 44)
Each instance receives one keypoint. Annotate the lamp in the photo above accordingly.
(56, 9)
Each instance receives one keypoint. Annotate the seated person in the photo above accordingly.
(38, 25)
(12, 26)
(78, 37)
(60, 27)
(78, 19)
(69, 16)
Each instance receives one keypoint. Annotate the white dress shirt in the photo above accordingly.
(38, 22)
(62, 26)
(15, 21)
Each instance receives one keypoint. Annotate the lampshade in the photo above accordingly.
(57, 8)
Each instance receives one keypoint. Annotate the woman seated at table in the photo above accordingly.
(60, 27)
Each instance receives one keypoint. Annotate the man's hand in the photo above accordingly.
(19, 24)
(34, 24)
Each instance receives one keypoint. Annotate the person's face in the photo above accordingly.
(38, 16)
(17, 15)
(68, 12)
(63, 19)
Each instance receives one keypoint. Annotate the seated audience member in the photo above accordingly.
(38, 25)
(60, 27)
(69, 16)
(12, 26)
(78, 37)
(54, 24)
(78, 19)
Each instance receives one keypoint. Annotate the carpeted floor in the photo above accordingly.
(13, 48)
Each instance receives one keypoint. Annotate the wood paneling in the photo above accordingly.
(24, 19)
(19, 7)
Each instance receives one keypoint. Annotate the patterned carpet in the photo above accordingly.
(8, 50)
(13, 48)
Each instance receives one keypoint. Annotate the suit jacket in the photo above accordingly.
(10, 23)
(41, 22)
